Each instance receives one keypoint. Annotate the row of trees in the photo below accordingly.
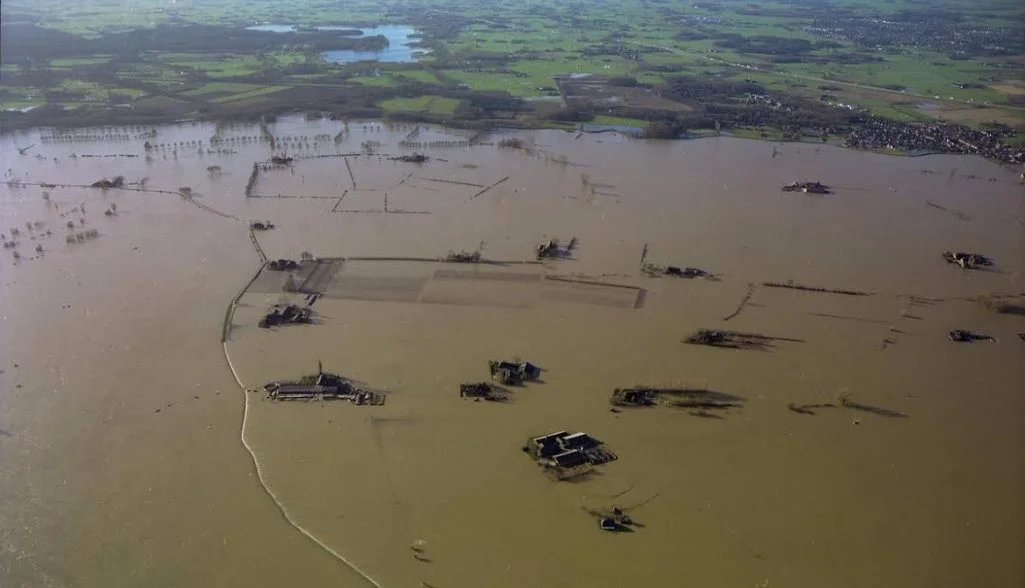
(32, 42)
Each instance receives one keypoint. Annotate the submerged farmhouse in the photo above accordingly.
(324, 386)
(565, 455)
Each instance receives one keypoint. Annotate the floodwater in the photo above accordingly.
(120, 455)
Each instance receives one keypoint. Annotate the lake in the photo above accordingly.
(398, 50)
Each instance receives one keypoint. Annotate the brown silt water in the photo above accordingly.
(854, 444)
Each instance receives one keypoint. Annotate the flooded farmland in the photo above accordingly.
(121, 461)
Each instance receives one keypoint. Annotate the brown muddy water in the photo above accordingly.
(120, 455)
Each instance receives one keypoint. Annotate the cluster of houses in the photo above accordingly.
(513, 372)
(935, 138)
(509, 373)
(565, 455)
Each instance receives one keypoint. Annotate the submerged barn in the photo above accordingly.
(325, 386)
(565, 455)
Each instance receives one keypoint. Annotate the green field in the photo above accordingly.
(214, 66)
(255, 93)
(72, 62)
(424, 104)
(517, 48)
(220, 88)
(619, 121)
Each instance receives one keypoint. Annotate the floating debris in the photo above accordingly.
(808, 187)
(967, 260)
(963, 336)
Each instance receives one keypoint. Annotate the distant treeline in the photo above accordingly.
(484, 108)
(20, 42)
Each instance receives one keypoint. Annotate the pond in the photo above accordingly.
(398, 49)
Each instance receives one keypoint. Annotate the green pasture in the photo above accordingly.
(222, 66)
(619, 121)
(220, 88)
(424, 104)
(538, 39)
(73, 62)
(254, 93)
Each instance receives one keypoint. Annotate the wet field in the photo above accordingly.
(121, 456)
